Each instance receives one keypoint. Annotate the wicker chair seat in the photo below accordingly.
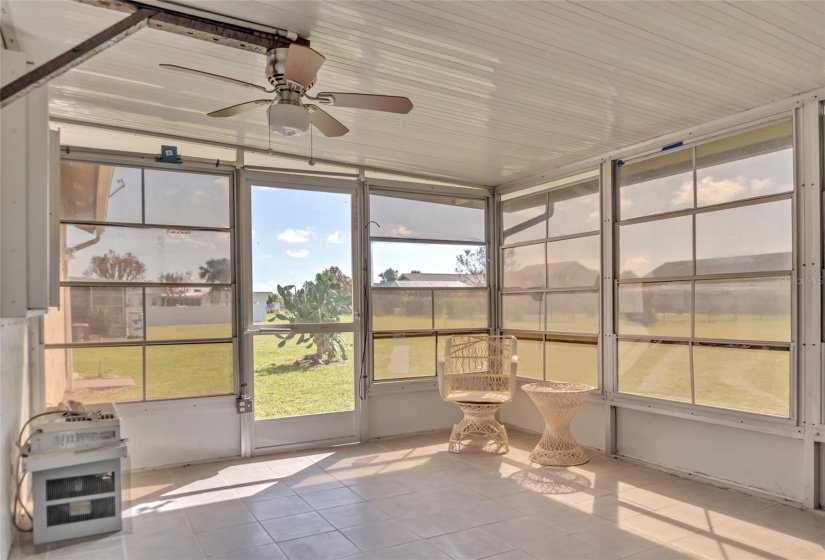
(480, 397)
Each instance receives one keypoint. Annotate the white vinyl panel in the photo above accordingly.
(42, 36)
(572, 73)
(567, 65)
(683, 55)
(767, 36)
(686, 32)
(444, 73)
(806, 32)
(655, 62)
(560, 98)
(736, 41)
(808, 12)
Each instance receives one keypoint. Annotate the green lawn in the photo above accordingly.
(752, 380)
(171, 371)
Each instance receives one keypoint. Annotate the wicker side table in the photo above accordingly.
(558, 403)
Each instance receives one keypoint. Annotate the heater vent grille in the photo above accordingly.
(77, 486)
(76, 512)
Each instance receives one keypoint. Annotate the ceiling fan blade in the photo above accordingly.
(239, 108)
(203, 74)
(302, 65)
(388, 103)
(326, 123)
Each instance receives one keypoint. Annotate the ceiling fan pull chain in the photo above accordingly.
(269, 130)
(311, 159)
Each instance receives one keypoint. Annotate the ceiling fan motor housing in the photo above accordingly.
(276, 65)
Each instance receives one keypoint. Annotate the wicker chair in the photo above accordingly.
(478, 373)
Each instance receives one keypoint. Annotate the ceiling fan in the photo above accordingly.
(292, 72)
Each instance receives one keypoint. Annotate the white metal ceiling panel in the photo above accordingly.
(501, 90)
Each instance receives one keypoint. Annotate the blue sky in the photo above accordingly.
(296, 234)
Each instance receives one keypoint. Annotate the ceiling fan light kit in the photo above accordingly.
(292, 72)
(288, 119)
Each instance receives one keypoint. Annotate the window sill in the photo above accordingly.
(732, 419)
(403, 386)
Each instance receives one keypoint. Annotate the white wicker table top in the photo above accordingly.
(556, 387)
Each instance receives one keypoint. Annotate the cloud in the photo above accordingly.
(684, 196)
(294, 235)
(300, 254)
(335, 237)
(396, 230)
(711, 190)
(637, 265)
(716, 191)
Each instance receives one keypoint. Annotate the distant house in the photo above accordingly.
(559, 274)
(259, 306)
(432, 280)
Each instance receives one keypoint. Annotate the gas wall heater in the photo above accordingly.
(76, 482)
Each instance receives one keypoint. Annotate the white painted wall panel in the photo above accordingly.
(765, 462)
(392, 414)
(177, 432)
(14, 409)
(587, 426)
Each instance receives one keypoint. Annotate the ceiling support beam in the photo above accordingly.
(71, 58)
(205, 25)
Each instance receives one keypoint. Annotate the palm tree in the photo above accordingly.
(216, 271)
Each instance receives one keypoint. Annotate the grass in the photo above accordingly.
(752, 380)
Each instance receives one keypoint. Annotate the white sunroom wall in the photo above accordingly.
(770, 457)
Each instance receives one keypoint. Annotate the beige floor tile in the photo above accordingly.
(352, 515)
(716, 547)
(568, 548)
(296, 526)
(262, 491)
(665, 552)
(228, 539)
(789, 520)
(611, 507)
(215, 516)
(376, 489)
(166, 546)
(663, 528)
(569, 519)
(329, 546)
(278, 507)
(471, 544)
(702, 516)
(417, 550)
(812, 548)
(654, 496)
(170, 522)
(522, 532)
(436, 523)
(266, 552)
(485, 512)
(332, 498)
(383, 534)
(528, 502)
(621, 541)
(517, 554)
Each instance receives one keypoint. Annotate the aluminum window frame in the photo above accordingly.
(791, 346)
(578, 177)
(396, 189)
(142, 162)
